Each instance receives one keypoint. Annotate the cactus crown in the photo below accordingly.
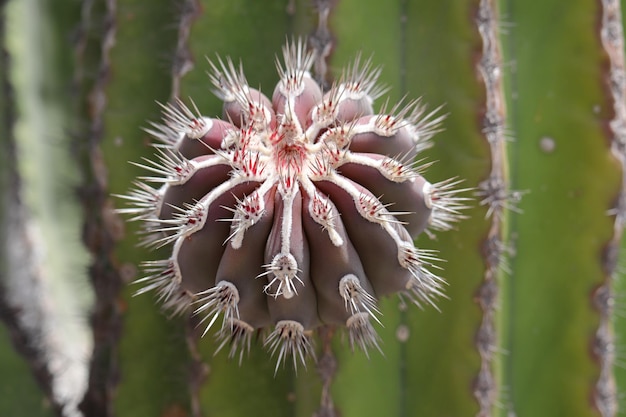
(279, 214)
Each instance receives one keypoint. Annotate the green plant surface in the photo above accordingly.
(558, 94)
(20, 395)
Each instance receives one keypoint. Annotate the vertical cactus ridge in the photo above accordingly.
(495, 193)
(322, 42)
(573, 180)
(96, 34)
(183, 63)
(604, 346)
(183, 59)
(150, 362)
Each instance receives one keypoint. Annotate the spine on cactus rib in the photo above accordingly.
(93, 55)
(604, 345)
(495, 193)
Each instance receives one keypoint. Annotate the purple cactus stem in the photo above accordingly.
(292, 212)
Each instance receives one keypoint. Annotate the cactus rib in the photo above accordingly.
(105, 317)
(496, 195)
(612, 36)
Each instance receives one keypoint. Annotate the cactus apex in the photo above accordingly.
(270, 172)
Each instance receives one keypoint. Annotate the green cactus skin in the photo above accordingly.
(22, 393)
(574, 182)
(443, 72)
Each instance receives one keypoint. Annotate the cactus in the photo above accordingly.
(294, 182)
(530, 325)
